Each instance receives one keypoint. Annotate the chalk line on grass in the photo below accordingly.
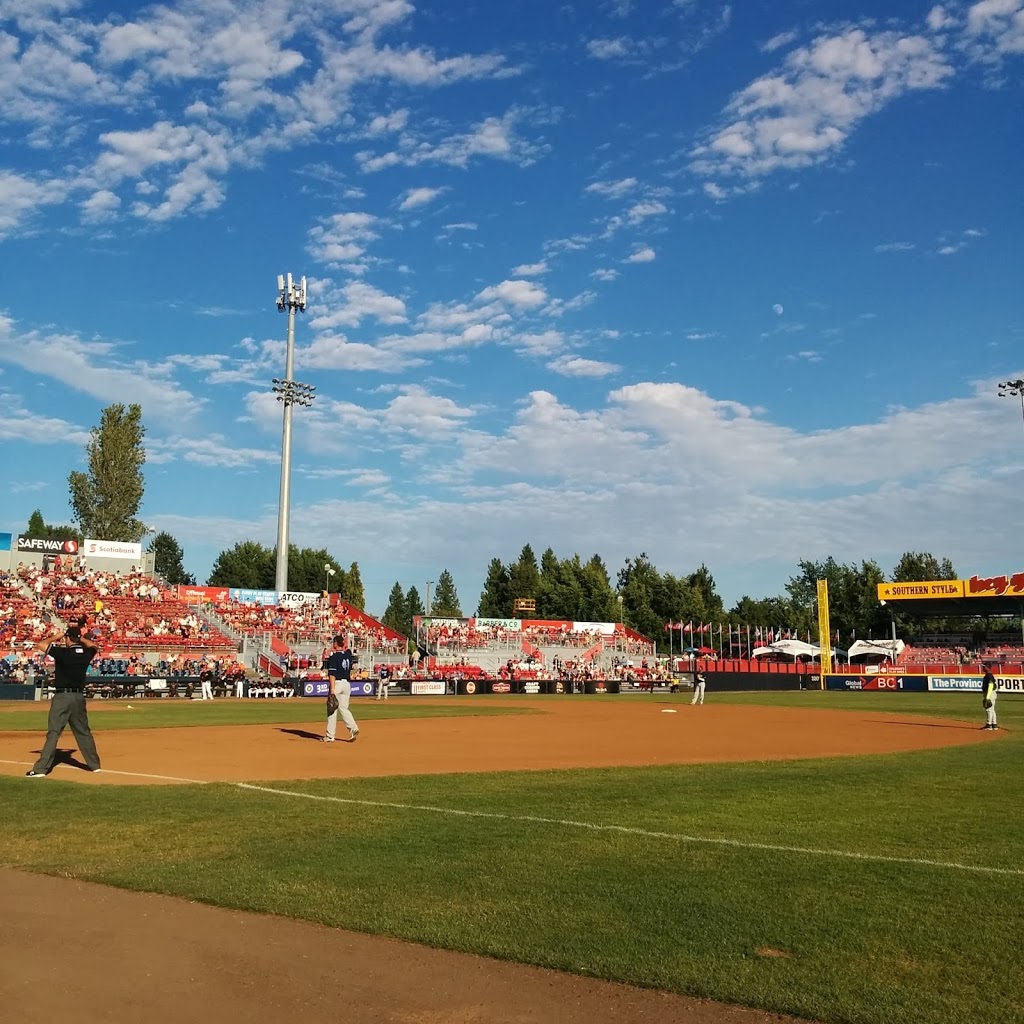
(134, 775)
(678, 837)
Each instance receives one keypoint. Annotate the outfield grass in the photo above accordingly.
(866, 940)
(172, 714)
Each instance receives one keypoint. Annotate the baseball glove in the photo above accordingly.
(986, 704)
(332, 703)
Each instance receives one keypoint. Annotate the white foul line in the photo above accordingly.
(678, 837)
(627, 830)
(134, 775)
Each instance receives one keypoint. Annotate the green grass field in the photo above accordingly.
(865, 940)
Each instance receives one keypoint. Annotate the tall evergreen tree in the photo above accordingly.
(354, 592)
(107, 497)
(169, 559)
(396, 614)
(524, 575)
(445, 603)
(38, 527)
(496, 598)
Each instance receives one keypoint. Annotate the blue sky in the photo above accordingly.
(719, 284)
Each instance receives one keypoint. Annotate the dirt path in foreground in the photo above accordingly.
(74, 951)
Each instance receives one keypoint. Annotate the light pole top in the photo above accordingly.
(291, 294)
(1011, 387)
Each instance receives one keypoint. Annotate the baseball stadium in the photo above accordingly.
(539, 821)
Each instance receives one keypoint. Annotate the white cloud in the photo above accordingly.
(778, 41)
(342, 238)
(21, 197)
(803, 113)
(530, 269)
(518, 293)
(575, 366)
(610, 49)
(997, 26)
(894, 247)
(416, 197)
(777, 309)
(644, 255)
(604, 274)
(494, 138)
(100, 206)
(385, 124)
(938, 19)
(213, 451)
(94, 368)
(612, 189)
(354, 302)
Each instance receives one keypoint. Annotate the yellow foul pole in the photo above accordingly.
(824, 631)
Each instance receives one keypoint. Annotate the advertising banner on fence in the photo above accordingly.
(315, 688)
(243, 596)
(111, 549)
(48, 545)
(428, 686)
(961, 684)
(514, 625)
(880, 683)
(294, 598)
(203, 595)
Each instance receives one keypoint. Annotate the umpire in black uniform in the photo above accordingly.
(71, 660)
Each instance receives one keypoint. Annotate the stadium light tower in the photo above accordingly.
(291, 296)
(1008, 388)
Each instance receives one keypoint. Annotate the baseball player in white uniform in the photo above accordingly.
(698, 689)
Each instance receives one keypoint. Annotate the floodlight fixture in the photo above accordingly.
(1013, 389)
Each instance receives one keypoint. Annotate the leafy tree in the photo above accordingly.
(445, 604)
(38, 527)
(249, 565)
(396, 615)
(168, 559)
(599, 603)
(496, 598)
(106, 499)
(852, 592)
(640, 584)
(917, 566)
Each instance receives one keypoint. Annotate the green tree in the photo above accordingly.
(599, 603)
(396, 615)
(524, 575)
(168, 560)
(918, 566)
(445, 604)
(852, 596)
(106, 499)
(496, 597)
(38, 527)
(353, 591)
(413, 607)
(249, 565)
(640, 584)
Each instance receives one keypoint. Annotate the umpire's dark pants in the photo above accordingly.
(67, 709)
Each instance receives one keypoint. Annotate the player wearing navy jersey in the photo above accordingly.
(339, 672)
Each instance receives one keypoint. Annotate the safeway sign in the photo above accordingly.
(49, 545)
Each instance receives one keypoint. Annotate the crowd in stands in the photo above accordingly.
(126, 611)
(312, 622)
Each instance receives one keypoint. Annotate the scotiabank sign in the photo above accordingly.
(49, 545)
(111, 549)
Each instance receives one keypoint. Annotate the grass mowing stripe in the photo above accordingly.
(630, 830)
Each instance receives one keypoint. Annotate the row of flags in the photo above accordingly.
(743, 635)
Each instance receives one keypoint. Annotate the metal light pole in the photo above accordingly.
(430, 583)
(291, 297)
(1008, 388)
(328, 573)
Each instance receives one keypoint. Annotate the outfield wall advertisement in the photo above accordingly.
(878, 683)
(972, 684)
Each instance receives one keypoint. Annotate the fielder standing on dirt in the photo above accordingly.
(698, 689)
(989, 692)
(71, 660)
(339, 672)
